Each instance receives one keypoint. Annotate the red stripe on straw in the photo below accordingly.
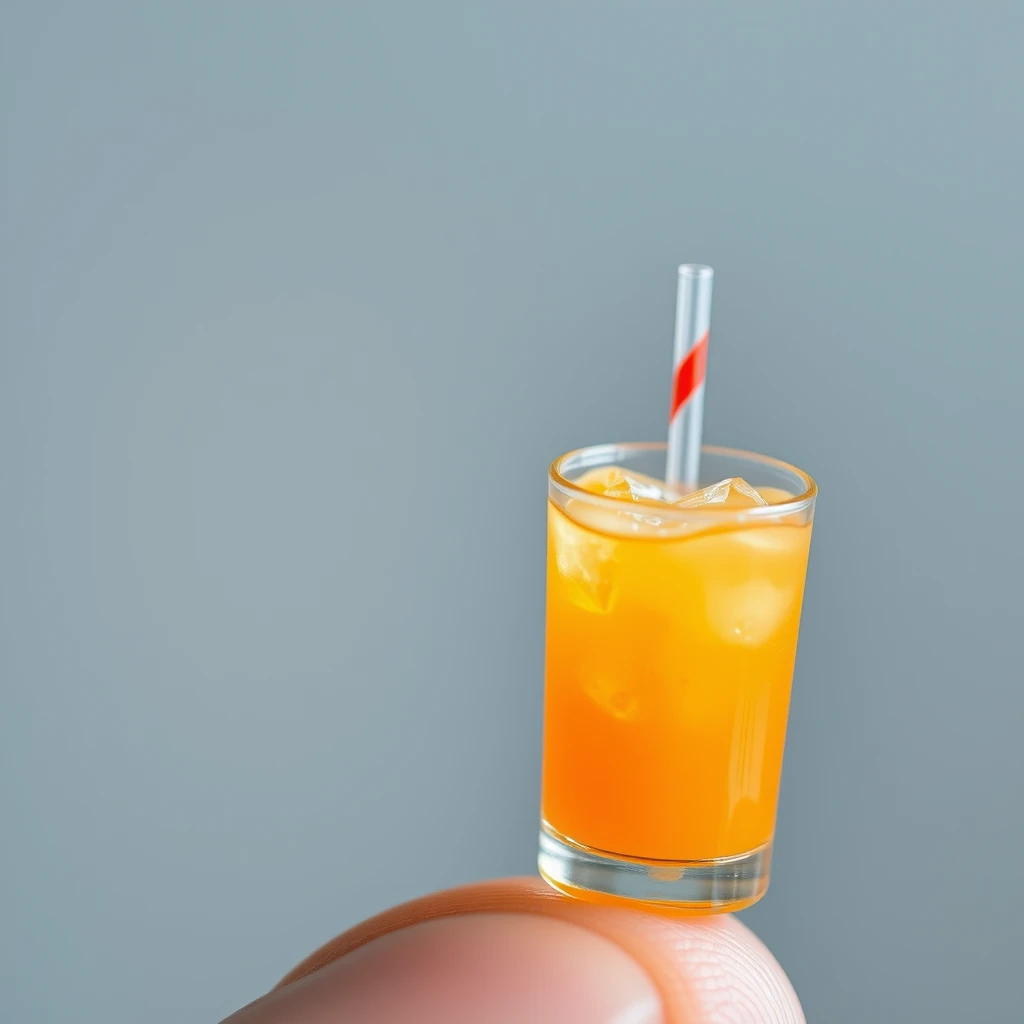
(689, 375)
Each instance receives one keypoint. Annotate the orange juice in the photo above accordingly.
(670, 650)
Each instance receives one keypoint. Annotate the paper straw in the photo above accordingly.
(690, 360)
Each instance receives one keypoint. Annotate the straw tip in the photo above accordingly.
(695, 270)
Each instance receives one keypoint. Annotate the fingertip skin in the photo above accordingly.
(703, 969)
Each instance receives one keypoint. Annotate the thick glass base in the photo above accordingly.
(689, 887)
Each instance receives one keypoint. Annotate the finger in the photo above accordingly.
(515, 950)
(469, 969)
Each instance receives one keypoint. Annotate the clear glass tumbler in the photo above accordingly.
(671, 638)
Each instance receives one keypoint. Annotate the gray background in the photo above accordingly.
(299, 300)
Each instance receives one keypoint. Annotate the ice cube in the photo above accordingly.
(627, 521)
(585, 561)
(734, 492)
(749, 613)
(624, 518)
(613, 482)
(789, 542)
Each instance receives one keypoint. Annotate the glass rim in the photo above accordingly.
(601, 455)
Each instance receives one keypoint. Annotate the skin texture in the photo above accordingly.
(514, 950)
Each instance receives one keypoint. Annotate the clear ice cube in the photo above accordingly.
(747, 614)
(613, 482)
(785, 541)
(636, 510)
(747, 580)
(585, 561)
(733, 492)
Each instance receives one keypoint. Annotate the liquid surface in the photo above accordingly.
(669, 659)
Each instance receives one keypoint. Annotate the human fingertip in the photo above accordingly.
(498, 967)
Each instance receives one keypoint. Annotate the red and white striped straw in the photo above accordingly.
(686, 413)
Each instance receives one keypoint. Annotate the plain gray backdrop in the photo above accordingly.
(298, 301)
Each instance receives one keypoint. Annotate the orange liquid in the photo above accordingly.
(668, 672)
